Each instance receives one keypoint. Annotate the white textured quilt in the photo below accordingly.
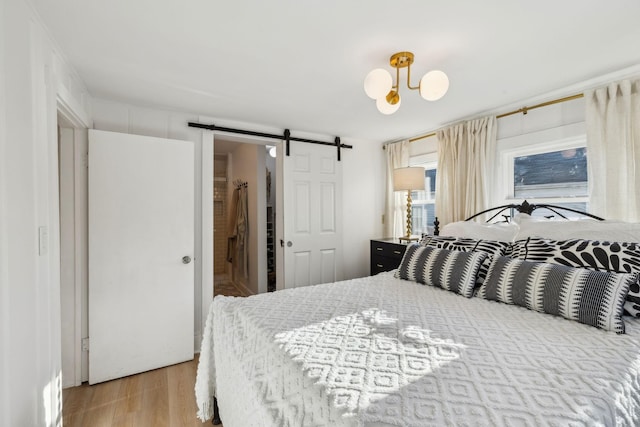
(380, 351)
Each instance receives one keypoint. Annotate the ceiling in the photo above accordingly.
(301, 64)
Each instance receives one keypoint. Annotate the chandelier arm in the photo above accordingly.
(409, 79)
(397, 85)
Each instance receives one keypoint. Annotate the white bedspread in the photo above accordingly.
(381, 351)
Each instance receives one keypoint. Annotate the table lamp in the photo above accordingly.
(409, 179)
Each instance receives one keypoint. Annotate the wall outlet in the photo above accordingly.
(85, 344)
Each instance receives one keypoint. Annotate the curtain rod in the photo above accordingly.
(523, 110)
(286, 137)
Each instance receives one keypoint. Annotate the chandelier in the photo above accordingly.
(379, 85)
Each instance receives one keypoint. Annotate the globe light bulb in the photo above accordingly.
(377, 83)
(434, 85)
(385, 108)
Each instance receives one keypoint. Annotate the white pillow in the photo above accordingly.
(502, 232)
(584, 228)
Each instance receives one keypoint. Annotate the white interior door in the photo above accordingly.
(141, 225)
(312, 211)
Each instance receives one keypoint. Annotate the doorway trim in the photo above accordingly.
(78, 124)
(207, 176)
(208, 139)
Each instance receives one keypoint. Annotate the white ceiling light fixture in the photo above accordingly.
(379, 85)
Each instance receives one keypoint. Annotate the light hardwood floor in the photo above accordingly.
(163, 397)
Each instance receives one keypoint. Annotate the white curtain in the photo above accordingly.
(466, 158)
(613, 147)
(395, 210)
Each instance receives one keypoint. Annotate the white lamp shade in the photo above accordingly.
(272, 151)
(408, 179)
(434, 85)
(378, 83)
(385, 108)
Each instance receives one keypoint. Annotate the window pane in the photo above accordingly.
(422, 216)
(546, 213)
(553, 174)
(429, 193)
(423, 208)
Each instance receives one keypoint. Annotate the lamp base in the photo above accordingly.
(408, 239)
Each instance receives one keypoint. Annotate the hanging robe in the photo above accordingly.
(238, 236)
(231, 231)
(242, 228)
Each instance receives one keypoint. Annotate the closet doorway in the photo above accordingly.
(221, 273)
(241, 269)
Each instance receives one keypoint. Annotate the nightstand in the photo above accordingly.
(386, 254)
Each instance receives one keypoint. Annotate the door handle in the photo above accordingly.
(289, 243)
(186, 259)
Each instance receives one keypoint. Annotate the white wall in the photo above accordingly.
(5, 319)
(247, 163)
(33, 77)
(363, 204)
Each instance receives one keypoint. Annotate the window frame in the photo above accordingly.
(507, 158)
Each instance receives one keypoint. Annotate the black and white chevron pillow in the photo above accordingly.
(590, 254)
(492, 248)
(451, 270)
(594, 298)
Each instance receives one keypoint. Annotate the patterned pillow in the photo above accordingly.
(492, 248)
(451, 270)
(590, 254)
(594, 298)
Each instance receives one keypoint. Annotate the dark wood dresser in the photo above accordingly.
(386, 254)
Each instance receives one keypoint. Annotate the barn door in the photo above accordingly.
(141, 244)
(312, 211)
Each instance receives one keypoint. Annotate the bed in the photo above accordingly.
(388, 351)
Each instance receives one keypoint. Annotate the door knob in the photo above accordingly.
(289, 244)
(186, 259)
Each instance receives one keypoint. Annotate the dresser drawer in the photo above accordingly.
(382, 263)
(386, 254)
(392, 250)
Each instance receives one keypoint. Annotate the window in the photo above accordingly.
(423, 205)
(552, 173)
